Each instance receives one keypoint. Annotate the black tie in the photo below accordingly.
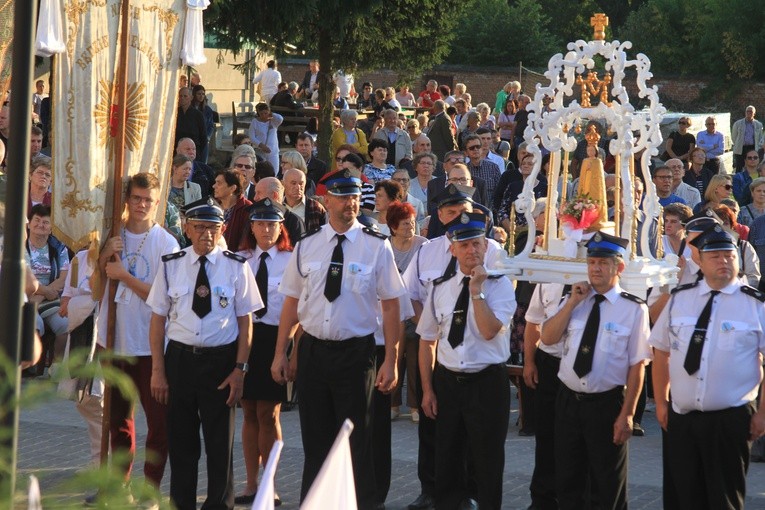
(335, 273)
(261, 278)
(693, 356)
(583, 361)
(459, 317)
(202, 302)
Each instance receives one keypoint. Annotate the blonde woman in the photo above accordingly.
(720, 187)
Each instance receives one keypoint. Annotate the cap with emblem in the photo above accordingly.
(467, 226)
(206, 209)
(341, 183)
(453, 194)
(715, 239)
(702, 222)
(266, 210)
(606, 245)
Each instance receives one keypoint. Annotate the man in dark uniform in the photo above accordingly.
(467, 393)
(335, 284)
(708, 346)
(605, 333)
(204, 296)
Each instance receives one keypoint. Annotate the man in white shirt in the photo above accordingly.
(269, 79)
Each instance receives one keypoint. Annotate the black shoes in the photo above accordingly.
(423, 502)
(637, 430)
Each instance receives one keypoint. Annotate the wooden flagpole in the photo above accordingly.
(119, 112)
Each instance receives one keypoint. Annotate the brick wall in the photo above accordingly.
(677, 94)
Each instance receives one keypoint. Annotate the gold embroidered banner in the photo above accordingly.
(6, 46)
(84, 120)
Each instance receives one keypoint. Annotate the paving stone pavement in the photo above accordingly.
(53, 445)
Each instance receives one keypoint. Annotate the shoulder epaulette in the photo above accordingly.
(374, 233)
(751, 291)
(684, 287)
(495, 276)
(309, 234)
(173, 256)
(633, 298)
(444, 278)
(234, 256)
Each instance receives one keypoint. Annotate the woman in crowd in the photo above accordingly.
(39, 183)
(506, 122)
(386, 193)
(749, 270)
(424, 121)
(401, 176)
(404, 97)
(673, 239)
(680, 143)
(486, 120)
(263, 131)
(698, 174)
(401, 222)
(473, 123)
(228, 190)
(720, 187)
(424, 164)
(741, 180)
(348, 134)
(741, 230)
(413, 129)
(367, 188)
(515, 188)
(390, 98)
(182, 190)
(199, 101)
(757, 208)
(267, 250)
(509, 92)
(378, 170)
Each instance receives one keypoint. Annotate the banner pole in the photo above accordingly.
(119, 109)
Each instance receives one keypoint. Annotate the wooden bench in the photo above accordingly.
(515, 373)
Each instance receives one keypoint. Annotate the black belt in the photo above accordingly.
(338, 344)
(468, 377)
(193, 349)
(547, 356)
(588, 397)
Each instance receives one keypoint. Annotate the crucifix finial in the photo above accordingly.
(599, 22)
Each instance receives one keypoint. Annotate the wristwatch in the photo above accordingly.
(244, 367)
(476, 297)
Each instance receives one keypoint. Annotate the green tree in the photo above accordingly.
(496, 33)
(407, 36)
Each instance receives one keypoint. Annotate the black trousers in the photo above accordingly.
(193, 380)
(381, 432)
(426, 448)
(709, 457)
(335, 381)
(542, 485)
(584, 432)
(473, 414)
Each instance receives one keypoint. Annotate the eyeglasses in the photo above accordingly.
(42, 173)
(201, 229)
(753, 158)
(242, 165)
(663, 177)
(136, 200)
(402, 180)
(455, 160)
(473, 147)
(457, 180)
(728, 187)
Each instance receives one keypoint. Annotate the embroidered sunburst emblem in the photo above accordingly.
(106, 115)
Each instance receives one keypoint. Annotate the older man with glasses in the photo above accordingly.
(480, 167)
(682, 189)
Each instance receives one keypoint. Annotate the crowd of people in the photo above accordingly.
(365, 277)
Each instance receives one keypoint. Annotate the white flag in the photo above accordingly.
(334, 485)
(265, 498)
(34, 494)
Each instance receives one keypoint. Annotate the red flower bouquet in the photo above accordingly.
(579, 213)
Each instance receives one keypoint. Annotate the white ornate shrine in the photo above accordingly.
(630, 132)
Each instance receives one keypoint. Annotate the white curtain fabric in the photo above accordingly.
(193, 51)
(50, 29)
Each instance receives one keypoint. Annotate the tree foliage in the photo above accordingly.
(711, 38)
(496, 33)
(407, 36)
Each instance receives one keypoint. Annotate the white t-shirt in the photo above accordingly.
(344, 82)
(131, 334)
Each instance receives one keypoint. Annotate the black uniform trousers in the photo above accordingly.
(709, 457)
(335, 381)
(426, 448)
(473, 414)
(542, 485)
(584, 433)
(193, 379)
(381, 432)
